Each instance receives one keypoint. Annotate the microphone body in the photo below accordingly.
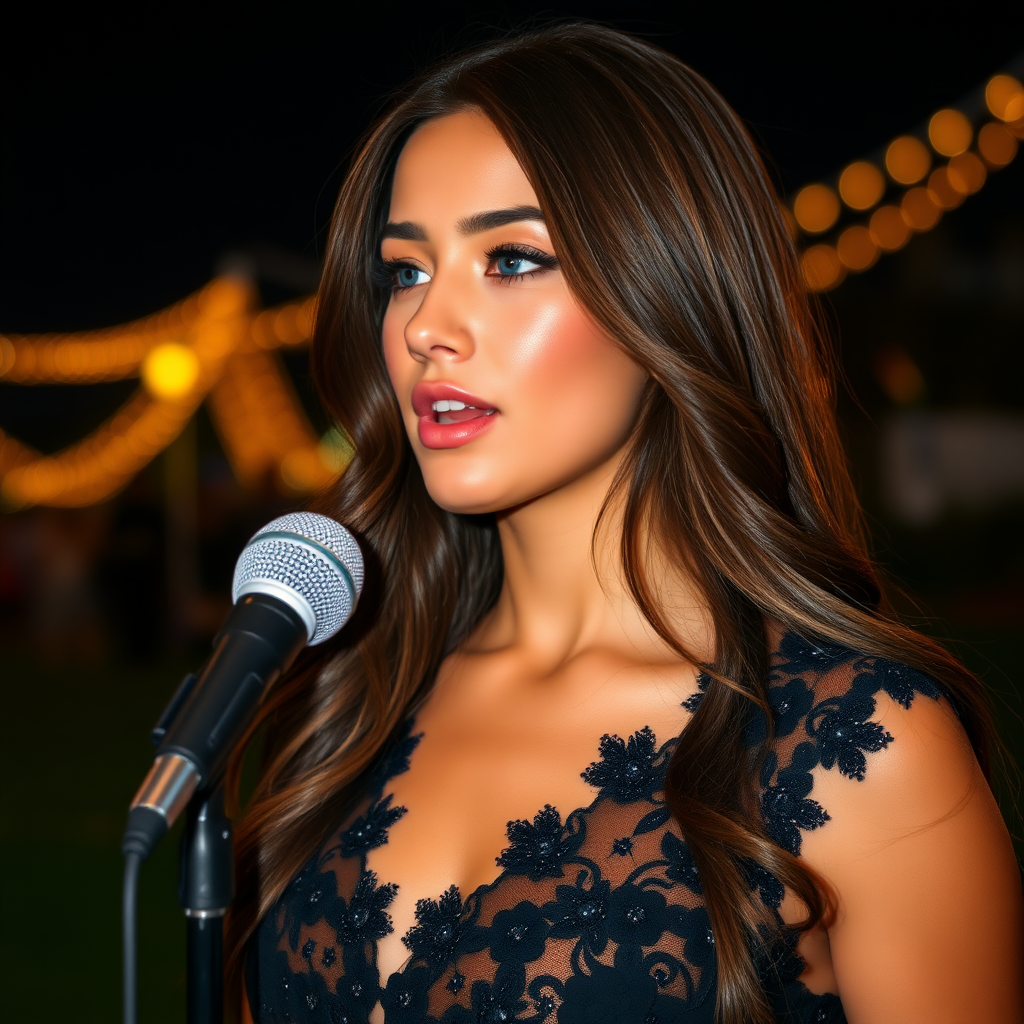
(259, 641)
(296, 582)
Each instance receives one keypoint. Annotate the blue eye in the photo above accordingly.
(408, 277)
(396, 276)
(509, 265)
(514, 262)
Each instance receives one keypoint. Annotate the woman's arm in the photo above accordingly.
(930, 923)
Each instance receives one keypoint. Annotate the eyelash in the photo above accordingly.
(384, 270)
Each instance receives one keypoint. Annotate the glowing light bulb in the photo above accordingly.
(170, 371)
(861, 185)
(920, 211)
(946, 197)
(816, 208)
(7, 356)
(888, 228)
(224, 297)
(821, 268)
(907, 160)
(1004, 96)
(949, 132)
(966, 173)
(856, 248)
(996, 144)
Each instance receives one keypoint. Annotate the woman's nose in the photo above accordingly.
(439, 330)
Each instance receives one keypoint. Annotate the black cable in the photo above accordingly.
(129, 915)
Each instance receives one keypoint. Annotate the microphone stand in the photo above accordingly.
(205, 889)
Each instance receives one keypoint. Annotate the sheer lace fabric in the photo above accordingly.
(596, 917)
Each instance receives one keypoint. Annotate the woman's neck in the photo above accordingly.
(564, 590)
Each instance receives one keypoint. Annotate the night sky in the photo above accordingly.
(134, 158)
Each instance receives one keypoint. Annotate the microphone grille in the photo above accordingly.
(314, 559)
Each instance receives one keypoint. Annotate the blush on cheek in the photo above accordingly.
(567, 365)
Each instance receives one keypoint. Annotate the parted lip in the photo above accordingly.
(425, 394)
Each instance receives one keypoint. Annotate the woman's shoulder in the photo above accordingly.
(871, 779)
(840, 717)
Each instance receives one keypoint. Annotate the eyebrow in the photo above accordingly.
(407, 231)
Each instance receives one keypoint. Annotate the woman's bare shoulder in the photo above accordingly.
(872, 780)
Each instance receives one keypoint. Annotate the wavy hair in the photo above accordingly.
(670, 234)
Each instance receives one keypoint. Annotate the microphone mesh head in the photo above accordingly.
(312, 556)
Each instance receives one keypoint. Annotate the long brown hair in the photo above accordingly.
(670, 234)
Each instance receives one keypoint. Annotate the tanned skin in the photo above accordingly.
(929, 926)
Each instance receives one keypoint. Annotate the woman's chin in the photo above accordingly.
(465, 501)
(469, 494)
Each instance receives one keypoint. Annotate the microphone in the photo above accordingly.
(296, 583)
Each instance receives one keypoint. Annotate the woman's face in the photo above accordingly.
(508, 389)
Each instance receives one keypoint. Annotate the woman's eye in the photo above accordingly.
(513, 263)
(509, 265)
(408, 277)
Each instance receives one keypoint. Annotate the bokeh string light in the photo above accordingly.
(214, 346)
(174, 384)
(877, 205)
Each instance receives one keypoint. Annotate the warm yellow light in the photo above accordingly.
(949, 132)
(816, 208)
(215, 339)
(224, 297)
(920, 210)
(262, 329)
(170, 370)
(966, 173)
(305, 317)
(861, 185)
(303, 470)
(997, 144)
(907, 160)
(856, 248)
(888, 228)
(286, 326)
(7, 356)
(1005, 97)
(946, 197)
(821, 268)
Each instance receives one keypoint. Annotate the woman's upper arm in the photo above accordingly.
(930, 924)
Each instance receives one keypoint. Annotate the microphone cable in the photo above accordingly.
(129, 935)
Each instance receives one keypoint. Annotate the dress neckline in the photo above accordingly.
(377, 794)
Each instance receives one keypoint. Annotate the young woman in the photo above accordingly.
(624, 730)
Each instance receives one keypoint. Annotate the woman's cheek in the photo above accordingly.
(571, 374)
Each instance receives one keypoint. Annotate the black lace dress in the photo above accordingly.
(595, 919)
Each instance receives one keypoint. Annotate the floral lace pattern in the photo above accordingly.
(595, 919)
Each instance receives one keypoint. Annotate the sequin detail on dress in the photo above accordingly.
(595, 918)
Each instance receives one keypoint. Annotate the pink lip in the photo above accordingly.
(447, 435)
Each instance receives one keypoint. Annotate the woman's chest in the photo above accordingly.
(463, 790)
(475, 771)
(566, 902)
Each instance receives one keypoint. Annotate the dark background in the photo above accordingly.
(134, 158)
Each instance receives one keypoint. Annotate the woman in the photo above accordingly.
(619, 567)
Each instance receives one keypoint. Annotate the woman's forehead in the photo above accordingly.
(454, 166)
